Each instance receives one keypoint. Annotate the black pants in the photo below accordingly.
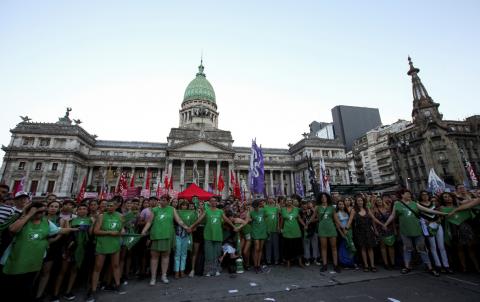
(19, 287)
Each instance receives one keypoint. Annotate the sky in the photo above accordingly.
(276, 66)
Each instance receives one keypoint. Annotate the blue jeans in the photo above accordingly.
(409, 242)
(180, 253)
(272, 249)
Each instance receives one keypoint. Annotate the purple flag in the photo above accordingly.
(256, 171)
(299, 186)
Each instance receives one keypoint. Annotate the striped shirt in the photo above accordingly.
(6, 212)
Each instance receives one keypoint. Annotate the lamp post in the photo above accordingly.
(403, 146)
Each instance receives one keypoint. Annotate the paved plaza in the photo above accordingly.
(308, 284)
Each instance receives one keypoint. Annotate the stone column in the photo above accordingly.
(195, 168)
(90, 174)
(207, 175)
(219, 166)
(292, 183)
(67, 180)
(230, 184)
(282, 184)
(182, 173)
(170, 168)
(271, 182)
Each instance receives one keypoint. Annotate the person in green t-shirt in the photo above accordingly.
(108, 230)
(411, 233)
(24, 257)
(328, 223)
(162, 235)
(213, 235)
(290, 222)
(259, 233)
(183, 239)
(272, 246)
(74, 253)
(458, 230)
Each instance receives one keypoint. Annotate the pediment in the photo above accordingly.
(201, 146)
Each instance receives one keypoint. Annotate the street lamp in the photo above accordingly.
(403, 146)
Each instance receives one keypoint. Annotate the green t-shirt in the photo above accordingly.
(162, 223)
(188, 216)
(326, 226)
(271, 218)
(213, 225)
(107, 244)
(259, 226)
(459, 217)
(81, 237)
(28, 249)
(409, 223)
(291, 228)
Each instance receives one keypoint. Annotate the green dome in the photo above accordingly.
(199, 88)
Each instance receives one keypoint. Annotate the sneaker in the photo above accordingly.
(434, 273)
(153, 281)
(90, 297)
(120, 290)
(192, 273)
(317, 263)
(54, 299)
(337, 269)
(208, 275)
(69, 296)
(217, 274)
(165, 280)
(307, 263)
(323, 268)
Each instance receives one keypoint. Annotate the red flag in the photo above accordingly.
(165, 182)
(221, 183)
(147, 183)
(170, 183)
(81, 194)
(122, 184)
(236, 190)
(132, 180)
(232, 177)
(159, 190)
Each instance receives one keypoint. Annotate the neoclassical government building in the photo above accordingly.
(56, 157)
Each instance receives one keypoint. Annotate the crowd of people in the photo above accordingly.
(52, 247)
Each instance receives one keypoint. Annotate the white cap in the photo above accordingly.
(21, 194)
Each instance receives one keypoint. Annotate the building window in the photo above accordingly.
(28, 141)
(33, 187)
(21, 165)
(44, 142)
(54, 166)
(50, 186)
(38, 166)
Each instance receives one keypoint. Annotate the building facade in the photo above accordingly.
(432, 142)
(350, 122)
(56, 157)
(372, 155)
